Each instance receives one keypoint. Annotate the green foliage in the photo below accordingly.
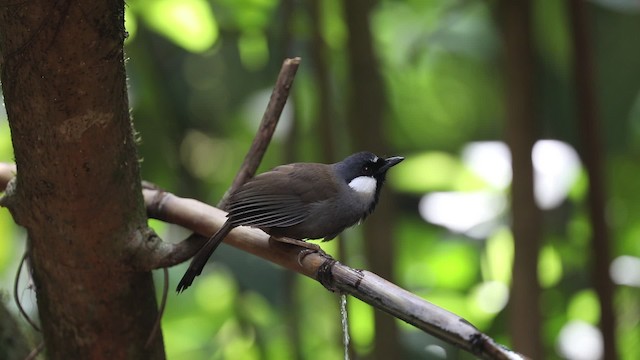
(200, 73)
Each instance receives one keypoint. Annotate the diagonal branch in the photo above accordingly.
(168, 254)
(267, 127)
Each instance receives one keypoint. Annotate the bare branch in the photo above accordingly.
(267, 126)
(366, 286)
(204, 219)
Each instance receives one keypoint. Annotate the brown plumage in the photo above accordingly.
(301, 201)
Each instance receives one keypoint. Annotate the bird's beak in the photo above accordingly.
(389, 162)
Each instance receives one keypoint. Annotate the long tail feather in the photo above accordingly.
(200, 259)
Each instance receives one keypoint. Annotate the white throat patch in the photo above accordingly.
(365, 186)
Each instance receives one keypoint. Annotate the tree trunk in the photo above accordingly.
(366, 109)
(78, 187)
(588, 112)
(521, 134)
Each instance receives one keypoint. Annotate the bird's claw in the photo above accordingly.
(309, 248)
(308, 251)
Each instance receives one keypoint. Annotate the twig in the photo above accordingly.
(267, 127)
(17, 297)
(34, 353)
(163, 304)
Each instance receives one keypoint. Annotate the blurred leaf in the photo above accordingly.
(334, 30)
(185, 336)
(498, 257)
(6, 147)
(159, 227)
(361, 324)
(245, 15)
(584, 306)
(236, 343)
(130, 23)
(320, 308)
(442, 101)
(487, 299)
(549, 267)
(7, 248)
(216, 292)
(578, 236)
(628, 329)
(448, 265)
(433, 171)
(552, 33)
(255, 308)
(442, 86)
(553, 301)
(454, 264)
(254, 52)
(188, 23)
(578, 191)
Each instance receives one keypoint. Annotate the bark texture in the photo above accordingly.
(78, 192)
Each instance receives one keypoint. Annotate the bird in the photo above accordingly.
(301, 201)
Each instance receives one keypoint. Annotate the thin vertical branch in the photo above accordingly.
(592, 155)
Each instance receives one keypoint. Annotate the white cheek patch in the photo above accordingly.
(365, 186)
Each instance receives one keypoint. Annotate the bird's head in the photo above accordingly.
(365, 173)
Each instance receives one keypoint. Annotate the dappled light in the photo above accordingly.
(200, 75)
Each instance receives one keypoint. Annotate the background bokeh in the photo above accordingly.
(200, 74)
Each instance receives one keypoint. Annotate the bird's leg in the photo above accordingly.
(310, 247)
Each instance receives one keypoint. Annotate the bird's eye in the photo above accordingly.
(366, 169)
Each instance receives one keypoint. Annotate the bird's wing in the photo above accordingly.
(280, 197)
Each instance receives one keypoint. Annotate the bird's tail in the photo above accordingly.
(202, 256)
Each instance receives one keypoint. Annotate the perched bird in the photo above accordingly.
(302, 201)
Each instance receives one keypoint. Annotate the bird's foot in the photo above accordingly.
(310, 248)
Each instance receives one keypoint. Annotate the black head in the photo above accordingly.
(365, 173)
(365, 164)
